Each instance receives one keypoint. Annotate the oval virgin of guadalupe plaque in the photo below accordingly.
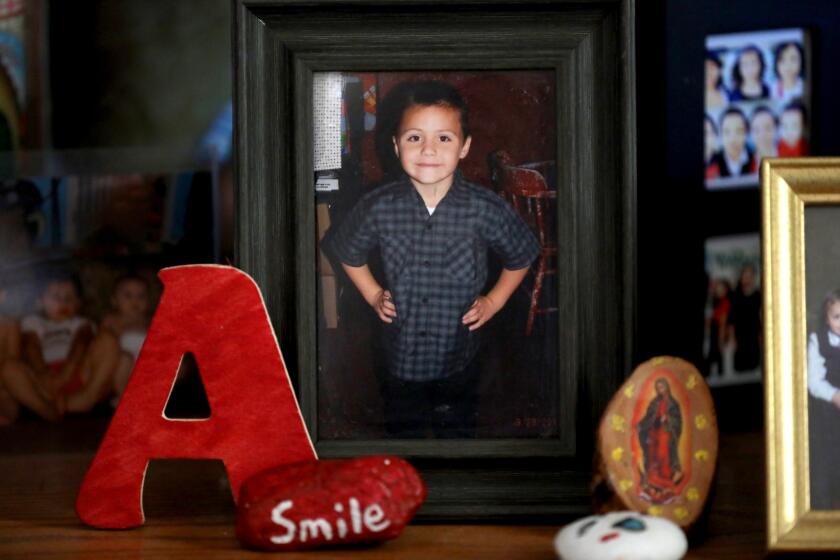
(658, 443)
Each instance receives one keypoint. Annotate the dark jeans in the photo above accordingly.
(442, 408)
(824, 435)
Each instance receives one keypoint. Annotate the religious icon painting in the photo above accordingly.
(658, 443)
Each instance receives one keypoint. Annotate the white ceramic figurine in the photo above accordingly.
(621, 535)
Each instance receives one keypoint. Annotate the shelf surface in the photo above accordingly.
(190, 513)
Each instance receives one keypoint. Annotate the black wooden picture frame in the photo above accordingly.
(589, 45)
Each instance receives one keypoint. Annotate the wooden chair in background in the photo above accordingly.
(527, 189)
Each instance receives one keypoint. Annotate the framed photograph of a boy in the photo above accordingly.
(439, 207)
(801, 199)
(421, 368)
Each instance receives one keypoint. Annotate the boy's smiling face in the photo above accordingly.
(430, 144)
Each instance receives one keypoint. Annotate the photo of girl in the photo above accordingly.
(711, 145)
(763, 130)
(747, 75)
(789, 68)
(792, 142)
(716, 96)
(822, 299)
(824, 400)
(755, 82)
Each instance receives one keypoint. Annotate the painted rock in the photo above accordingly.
(621, 535)
(327, 503)
(658, 444)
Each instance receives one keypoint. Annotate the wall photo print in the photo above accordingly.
(732, 332)
(822, 268)
(757, 103)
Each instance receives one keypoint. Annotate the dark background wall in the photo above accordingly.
(676, 214)
(129, 73)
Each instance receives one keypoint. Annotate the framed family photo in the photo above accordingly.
(440, 149)
(801, 203)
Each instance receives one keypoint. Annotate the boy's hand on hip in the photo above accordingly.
(384, 306)
(482, 309)
(835, 399)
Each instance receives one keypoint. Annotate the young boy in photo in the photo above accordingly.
(735, 159)
(433, 229)
(62, 366)
(128, 322)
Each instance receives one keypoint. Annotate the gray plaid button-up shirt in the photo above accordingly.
(435, 267)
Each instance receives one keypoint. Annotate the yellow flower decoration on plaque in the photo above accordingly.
(630, 390)
(625, 485)
(618, 422)
(659, 360)
(692, 381)
(700, 421)
(655, 510)
(617, 454)
(692, 494)
(701, 455)
(680, 513)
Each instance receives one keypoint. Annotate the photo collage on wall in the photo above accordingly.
(757, 105)
(757, 100)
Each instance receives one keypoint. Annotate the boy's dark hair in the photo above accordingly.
(737, 78)
(408, 94)
(739, 113)
(436, 93)
(777, 52)
(764, 109)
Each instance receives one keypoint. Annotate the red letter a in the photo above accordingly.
(217, 313)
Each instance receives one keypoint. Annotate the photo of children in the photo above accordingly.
(436, 262)
(822, 273)
(732, 332)
(63, 366)
(78, 285)
(756, 97)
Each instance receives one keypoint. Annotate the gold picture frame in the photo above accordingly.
(789, 186)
